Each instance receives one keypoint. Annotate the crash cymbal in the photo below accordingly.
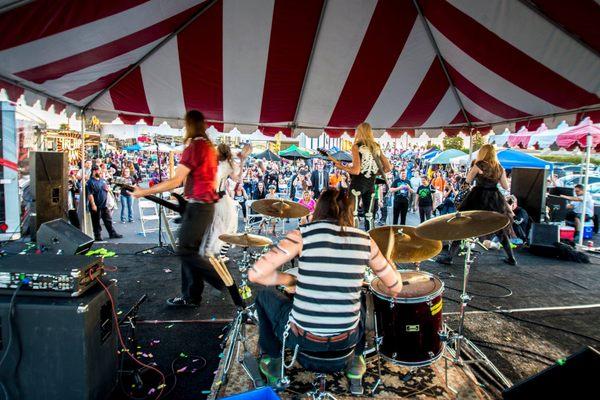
(280, 208)
(407, 247)
(246, 240)
(462, 225)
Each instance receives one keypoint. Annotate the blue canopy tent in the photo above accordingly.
(133, 147)
(429, 155)
(510, 159)
(445, 156)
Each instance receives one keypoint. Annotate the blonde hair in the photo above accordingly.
(364, 137)
(487, 153)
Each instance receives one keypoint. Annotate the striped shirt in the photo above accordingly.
(330, 277)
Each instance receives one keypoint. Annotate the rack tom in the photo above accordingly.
(408, 326)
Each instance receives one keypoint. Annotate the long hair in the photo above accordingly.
(224, 153)
(487, 154)
(195, 126)
(364, 136)
(337, 205)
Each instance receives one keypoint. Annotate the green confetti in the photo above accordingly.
(206, 392)
(169, 326)
(183, 355)
(561, 361)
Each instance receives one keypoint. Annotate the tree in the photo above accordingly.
(478, 141)
(452, 143)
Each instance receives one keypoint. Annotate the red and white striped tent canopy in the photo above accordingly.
(313, 65)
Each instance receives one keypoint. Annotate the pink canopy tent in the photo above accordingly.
(287, 65)
(523, 136)
(577, 137)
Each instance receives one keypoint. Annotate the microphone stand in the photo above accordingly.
(160, 245)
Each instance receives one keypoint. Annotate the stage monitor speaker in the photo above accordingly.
(573, 378)
(62, 348)
(558, 190)
(48, 184)
(60, 235)
(544, 235)
(529, 186)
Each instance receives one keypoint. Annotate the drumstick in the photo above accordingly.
(390, 245)
(222, 273)
(227, 273)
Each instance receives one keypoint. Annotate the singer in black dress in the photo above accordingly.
(487, 173)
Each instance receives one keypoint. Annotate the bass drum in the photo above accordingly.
(408, 326)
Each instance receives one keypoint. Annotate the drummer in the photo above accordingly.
(325, 313)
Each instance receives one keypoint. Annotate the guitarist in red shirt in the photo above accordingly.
(197, 172)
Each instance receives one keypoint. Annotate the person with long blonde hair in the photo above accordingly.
(486, 172)
(197, 171)
(368, 162)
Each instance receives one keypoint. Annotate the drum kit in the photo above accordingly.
(408, 328)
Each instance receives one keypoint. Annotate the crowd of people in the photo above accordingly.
(376, 188)
(412, 186)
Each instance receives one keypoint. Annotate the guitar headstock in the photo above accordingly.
(323, 152)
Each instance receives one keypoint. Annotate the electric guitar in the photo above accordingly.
(178, 207)
(380, 179)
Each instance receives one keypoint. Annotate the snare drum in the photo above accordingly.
(408, 326)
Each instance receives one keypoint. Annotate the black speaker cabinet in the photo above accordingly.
(544, 235)
(529, 186)
(60, 235)
(575, 378)
(48, 174)
(62, 348)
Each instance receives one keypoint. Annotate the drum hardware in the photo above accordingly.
(237, 335)
(467, 227)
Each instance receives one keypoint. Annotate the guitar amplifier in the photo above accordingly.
(49, 275)
(62, 348)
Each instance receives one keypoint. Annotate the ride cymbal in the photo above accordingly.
(462, 225)
(280, 208)
(246, 240)
(407, 247)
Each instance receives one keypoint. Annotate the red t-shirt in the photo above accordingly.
(201, 158)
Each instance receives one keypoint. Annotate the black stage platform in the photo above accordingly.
(535, 283)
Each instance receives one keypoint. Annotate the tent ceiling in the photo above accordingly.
(315, 63)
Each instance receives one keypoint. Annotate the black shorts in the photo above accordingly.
(571, 215)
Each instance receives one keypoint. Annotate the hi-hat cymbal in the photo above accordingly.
(407, 247)
(280, 208)
(462, 225)
(246, 240)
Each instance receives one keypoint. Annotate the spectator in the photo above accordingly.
(425, 199)
(97, 191)
(401, 190)
(126, 198)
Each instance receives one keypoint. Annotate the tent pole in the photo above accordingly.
(82, 194)
(588, 156)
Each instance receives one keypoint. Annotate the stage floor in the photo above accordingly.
(535, 283)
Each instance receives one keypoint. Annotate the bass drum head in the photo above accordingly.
(427, 287)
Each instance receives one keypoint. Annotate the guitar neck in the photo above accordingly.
(153, 198)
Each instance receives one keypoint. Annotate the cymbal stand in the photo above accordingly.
(458, 337)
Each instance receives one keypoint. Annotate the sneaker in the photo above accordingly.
(123, 221)
(510, 261)
(181, 302)
(271, 368)
(357, 368)
(116, 236)
(130, 220)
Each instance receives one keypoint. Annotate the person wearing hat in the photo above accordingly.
(97, 192)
